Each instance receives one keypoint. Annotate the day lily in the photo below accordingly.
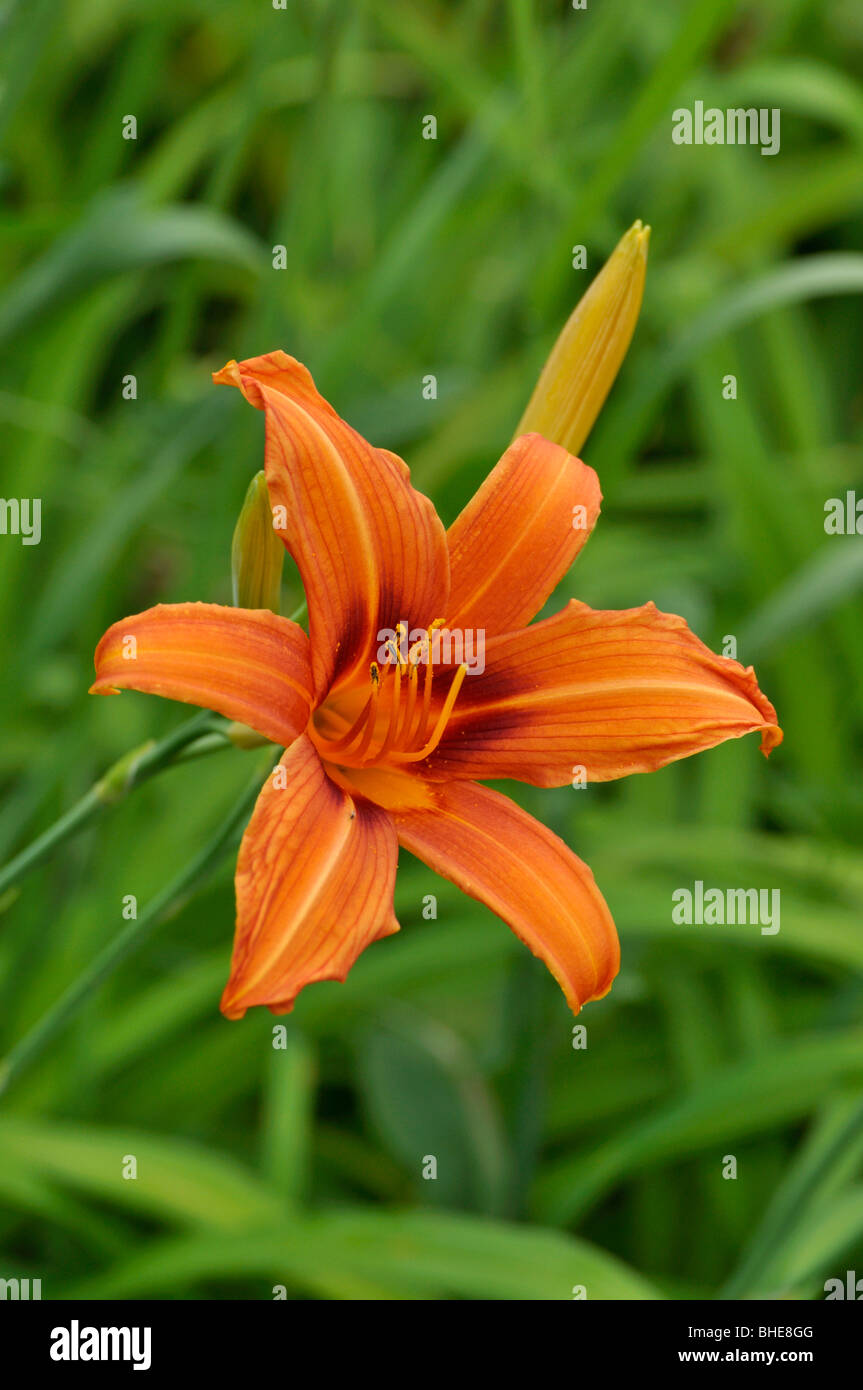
(390, 745)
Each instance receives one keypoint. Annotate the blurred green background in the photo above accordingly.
(302, 127)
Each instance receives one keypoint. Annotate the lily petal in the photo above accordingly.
(612, 692)
(248, 664)
(496, 852)
(518, 536)
(370, 549)
(315, 878)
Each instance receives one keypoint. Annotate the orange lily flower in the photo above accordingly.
(390, 747)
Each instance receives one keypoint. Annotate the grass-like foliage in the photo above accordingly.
(558, 1166)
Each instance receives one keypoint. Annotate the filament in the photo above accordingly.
(406, 717)
(441, 724)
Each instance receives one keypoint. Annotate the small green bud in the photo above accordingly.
(257, 554)
(241, 736)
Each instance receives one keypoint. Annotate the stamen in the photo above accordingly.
(390, 736)
(423, 717)
(407, 721)
(423, 720)
(370, 711)
(413, 682)
(364, 718)
(343, 742)
(441, 724)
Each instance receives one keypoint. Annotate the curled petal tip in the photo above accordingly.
(227, 375)
(617, 692)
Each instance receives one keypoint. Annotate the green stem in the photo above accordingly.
(164, 905)
(74, 820)
(128, 772)
(207, 743)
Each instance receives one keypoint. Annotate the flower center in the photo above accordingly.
(395, 723)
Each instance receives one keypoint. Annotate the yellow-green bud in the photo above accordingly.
(257, 554)
(241, 736)
(586, 358)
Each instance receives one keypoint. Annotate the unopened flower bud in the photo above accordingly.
(257, 554)
(586, 358)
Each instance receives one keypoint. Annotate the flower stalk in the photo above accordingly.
(202, 734)
(162, 907)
